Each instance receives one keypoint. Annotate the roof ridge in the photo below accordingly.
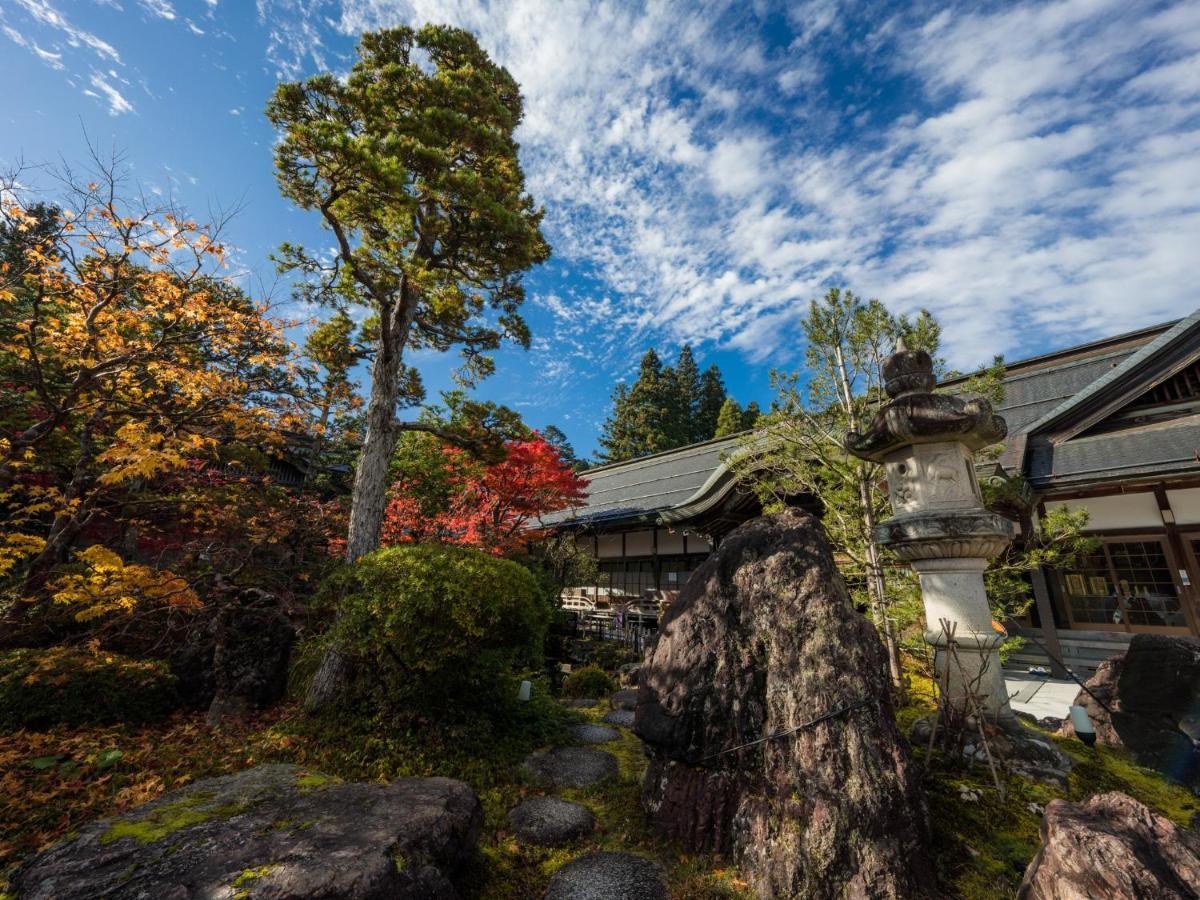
(661, 453)
(1181, 327)
(1161, 327)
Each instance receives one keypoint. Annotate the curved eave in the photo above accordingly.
(715, 490)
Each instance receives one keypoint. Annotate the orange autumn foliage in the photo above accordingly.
(125, 359)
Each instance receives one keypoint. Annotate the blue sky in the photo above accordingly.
(1029, 172)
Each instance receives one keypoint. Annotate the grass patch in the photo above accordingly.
(982, 848)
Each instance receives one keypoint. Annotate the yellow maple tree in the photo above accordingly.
(127, 355)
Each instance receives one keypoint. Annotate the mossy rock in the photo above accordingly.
(43, 688)
(273, 830)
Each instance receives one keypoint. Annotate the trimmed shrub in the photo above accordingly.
(41, 688)
(590, 681)
(435, 628)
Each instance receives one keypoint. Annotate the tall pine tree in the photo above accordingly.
(684, 414)
(730, 419)
(712, 398)
(750, 415)
(643, 420)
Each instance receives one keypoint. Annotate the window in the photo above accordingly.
(1089, 592)
(1126, 582)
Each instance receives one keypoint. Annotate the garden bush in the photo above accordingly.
(438, 628)
(41, 688)
(590, 681)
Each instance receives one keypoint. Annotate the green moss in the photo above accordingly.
(251, 875)
(400, 861)
(184, 813)
(981, 849)
(313, 782)
(1098, 770)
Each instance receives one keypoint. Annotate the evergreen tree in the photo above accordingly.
(553, 435)
(712, 400)
(730, 420)
(642, 420)
(750, 415)
(685, 423)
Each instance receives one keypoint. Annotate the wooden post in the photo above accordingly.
(1041, 593)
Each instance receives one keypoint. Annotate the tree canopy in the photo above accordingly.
(666, 407)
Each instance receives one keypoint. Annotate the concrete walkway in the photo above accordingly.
(1040, 696)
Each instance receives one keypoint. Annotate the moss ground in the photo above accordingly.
(982, 847)
(52, 782)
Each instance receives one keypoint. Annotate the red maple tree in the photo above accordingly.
(495, 507)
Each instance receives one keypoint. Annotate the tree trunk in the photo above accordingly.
(369, 497)
(879, 591)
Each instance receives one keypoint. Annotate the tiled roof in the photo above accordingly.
(645, 486)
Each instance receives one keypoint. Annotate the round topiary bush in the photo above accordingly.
(436, 627)
(41, 688)
(590, 681)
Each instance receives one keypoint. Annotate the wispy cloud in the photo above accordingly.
(1029, 172)
(43, 12)
(163, 9)
(117, 104)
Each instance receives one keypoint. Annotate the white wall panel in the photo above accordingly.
(1116, 512)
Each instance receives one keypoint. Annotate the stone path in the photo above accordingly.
(609, 876)
(551, 821)
(548, 821)
(594, 734)
(622, 717)
(576, 767)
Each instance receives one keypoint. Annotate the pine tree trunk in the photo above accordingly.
(879, 592)
(369, 497)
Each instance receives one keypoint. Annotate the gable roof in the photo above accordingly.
(1052, 400)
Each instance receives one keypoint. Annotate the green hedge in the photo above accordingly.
(590, 681)
(435, 628)
(41, 688)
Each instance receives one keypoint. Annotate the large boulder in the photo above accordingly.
(1113, 847)
(764, 638)
(1153, 692)
(271, 831)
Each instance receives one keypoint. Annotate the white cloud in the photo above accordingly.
(43, 12)
(163, 9)
(117, 104)
(1031, 173)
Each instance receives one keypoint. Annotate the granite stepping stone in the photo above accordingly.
(622, 717)
(626, 699)
(582, 702)
(609, 876)
(594, 734)
(550, 820)
(571, 766)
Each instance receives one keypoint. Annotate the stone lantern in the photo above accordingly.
(925, 442)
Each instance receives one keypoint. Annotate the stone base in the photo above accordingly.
(1014, 747)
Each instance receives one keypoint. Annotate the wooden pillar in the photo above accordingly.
(1041, 594)
(1179, 560)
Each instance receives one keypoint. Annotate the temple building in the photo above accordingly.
(1112, 426)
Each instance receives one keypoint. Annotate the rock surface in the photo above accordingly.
(594, 734)
(608, 876)
(582, 702)
(273, 831)
(1154, 694)
(549, 820)
(1112, 847)
(571, 766)
(626, 699)
(621, 717)
(763, 638)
